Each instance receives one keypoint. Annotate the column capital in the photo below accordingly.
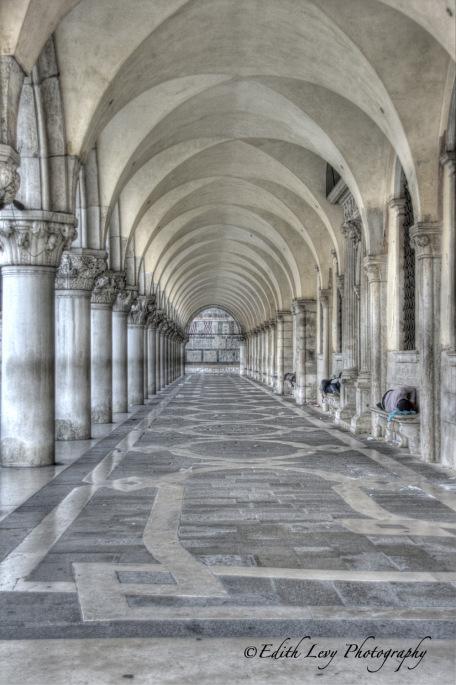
(397, 204)
(107, 287)
(125, 298)
(374, 266)
(79, 268)
(35, 238)
(140, 309)
(448, 160)
(351, 229)
(425, 238)
(325, 295)
(300, 305)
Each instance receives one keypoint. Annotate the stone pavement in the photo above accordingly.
(221, 510)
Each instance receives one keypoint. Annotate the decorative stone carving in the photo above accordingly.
(351, 229)
(125, 297)
(107, 286)
(35, 238)
(349, 206)
(9, 176)
(78, 270)
(340, 280)
(425, 239)
(325, 294)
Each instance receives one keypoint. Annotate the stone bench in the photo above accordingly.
(330, 403)
(402, 431)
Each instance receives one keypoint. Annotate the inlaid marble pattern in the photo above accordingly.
(220, 509)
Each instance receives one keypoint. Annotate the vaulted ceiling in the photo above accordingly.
(214, 120)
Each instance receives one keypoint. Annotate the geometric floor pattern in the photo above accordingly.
(219, 509)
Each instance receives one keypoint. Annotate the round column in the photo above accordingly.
(31, 249)
(103, 297)
(272, 353)
(75, 278)
(242, 363)
(135, 352)
(27, 417)
(152, 361)
(280, 354)
(120, 312)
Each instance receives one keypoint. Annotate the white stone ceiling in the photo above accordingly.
(214, 120)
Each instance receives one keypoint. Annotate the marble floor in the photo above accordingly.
(219, 510)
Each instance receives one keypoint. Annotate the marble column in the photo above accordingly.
(265, 375)
(120, 311)
(158, 353)
(74, 282)
(242, 356)
(135, 349)
(299, 349)
(106, 289)
(272, 353)
(280, 353)
(352, 232)
(325, 299)
(426, 240)
(304, 312)
(31, 249)
(162, 356)
(448, 306)
(374, 266)
(152, 359)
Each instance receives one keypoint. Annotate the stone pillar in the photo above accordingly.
(242, 357)
(352, 232)
(152, 359)
(272, 353)
(104, 294)
(121, 309)
(374, 267)
(325, 298)
(361, 422)
(395, 301)
(158, 354)
(448, 307)
(162, 357)
(265, 373)
(304, 344)
(31, 247)
(280, 354)
(135, 348)
(426, 240)
(74, 282)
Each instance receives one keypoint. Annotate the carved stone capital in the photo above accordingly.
(448, 160)
(125, 298)
(425, 238)
(325, 296)
(10, 179)
(35, 238)
(397, 204)
(107, 286)
(78, 269)
(340, 280)
(351, 229)
(139, 311)
(374, 266)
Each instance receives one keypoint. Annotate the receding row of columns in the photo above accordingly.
(286, 343)
(78, 344)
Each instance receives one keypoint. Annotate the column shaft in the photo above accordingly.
(27, 417)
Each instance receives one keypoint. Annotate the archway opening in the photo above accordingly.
(213, 344)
